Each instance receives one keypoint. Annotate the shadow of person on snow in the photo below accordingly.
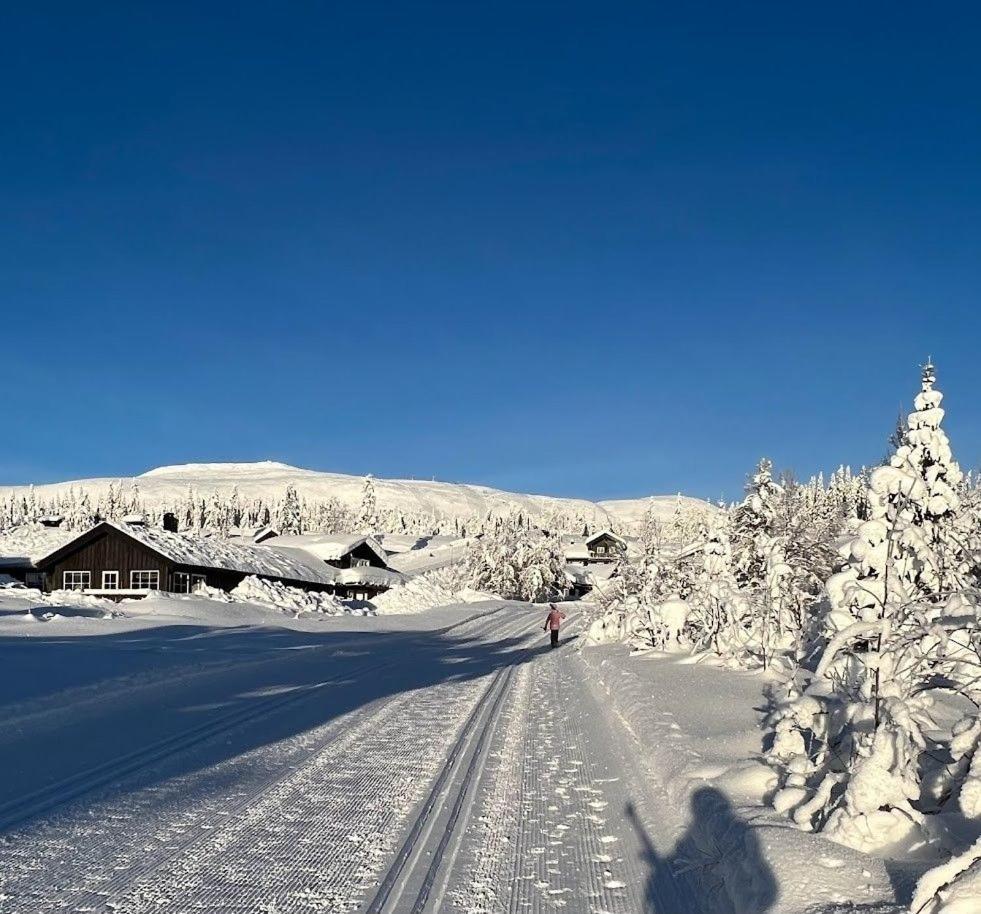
(717, 867)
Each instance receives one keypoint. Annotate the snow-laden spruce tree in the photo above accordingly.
(235, 512)
(850, 743)
(289, 516)
(754, 524)
(219, 519)
(367, 519)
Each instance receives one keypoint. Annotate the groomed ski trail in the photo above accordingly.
(477, 775)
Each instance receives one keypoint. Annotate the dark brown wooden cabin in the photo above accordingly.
(605, 547)
(358, 557)
(109, 562)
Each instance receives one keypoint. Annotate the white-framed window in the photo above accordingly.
(144, 580)
(110, 580)
(601, 550)
(360, 563)
(185, 582)
(180, 582)
(76, 580)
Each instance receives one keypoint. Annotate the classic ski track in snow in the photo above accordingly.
(549, 831)
(416, 866)
(189, 839)
(80, 783)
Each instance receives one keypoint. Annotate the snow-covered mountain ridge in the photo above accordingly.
(268, 480)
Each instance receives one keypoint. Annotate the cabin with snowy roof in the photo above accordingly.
(361, 563)
(129, 560)
(600, 548)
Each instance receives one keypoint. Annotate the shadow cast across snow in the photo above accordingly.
(717, 867)
(129, 690)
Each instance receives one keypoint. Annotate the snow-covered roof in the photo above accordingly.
(211, 552)
(328, 547)
(368, 574)
(32, 542)
(607, 533)
(577, 547)
(597, 573)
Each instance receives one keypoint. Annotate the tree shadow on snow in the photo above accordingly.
(717, 867)
(128, 690)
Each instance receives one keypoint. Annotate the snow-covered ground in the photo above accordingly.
(695, 729)
(212, 755)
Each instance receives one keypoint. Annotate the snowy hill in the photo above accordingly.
(268, 480)
(629, 512)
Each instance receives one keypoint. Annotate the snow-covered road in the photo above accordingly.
(463, 768)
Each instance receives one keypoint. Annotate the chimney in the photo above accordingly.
(170, 522)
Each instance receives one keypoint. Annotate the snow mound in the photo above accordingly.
(435, 588)
(291, 599)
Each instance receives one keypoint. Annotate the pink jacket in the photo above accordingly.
(554, 619)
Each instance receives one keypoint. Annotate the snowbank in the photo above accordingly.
(425, 591)
(291, 599)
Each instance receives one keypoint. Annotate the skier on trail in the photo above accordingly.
(552, 622)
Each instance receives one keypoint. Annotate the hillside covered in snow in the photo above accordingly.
(267, 480)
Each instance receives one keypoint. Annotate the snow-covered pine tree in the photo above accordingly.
(720, 618)
(79, 515)
(367, 519)
(850, 743)
(754, 524)
(288, 519)
(33, 511)
(135, 505)
(516, 562)
(235, 508)
(218, 518)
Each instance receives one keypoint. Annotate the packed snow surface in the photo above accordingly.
(228, 756)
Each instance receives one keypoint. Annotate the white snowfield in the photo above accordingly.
(268, 480)
(196, 755)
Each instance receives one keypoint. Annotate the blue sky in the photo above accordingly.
(584, 249)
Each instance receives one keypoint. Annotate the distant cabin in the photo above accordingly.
(119, 561)
(600, 548)
(361, 562)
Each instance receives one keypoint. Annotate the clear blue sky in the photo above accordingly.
(584, 249)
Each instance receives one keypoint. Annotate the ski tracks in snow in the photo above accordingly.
(548, 833)
(495, 786)
(303, 824)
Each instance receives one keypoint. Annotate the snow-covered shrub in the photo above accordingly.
(953, 887)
